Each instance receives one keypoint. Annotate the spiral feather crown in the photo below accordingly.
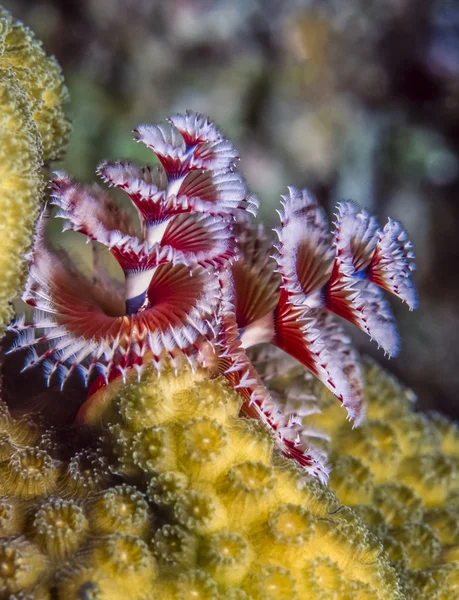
(202, 283)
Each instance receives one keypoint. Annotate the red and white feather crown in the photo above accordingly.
(202, 283)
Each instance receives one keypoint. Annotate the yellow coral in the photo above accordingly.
(399, 472)
(21, 187)
(243, 521)
(39, 77)
(227, 517)
(33, 129)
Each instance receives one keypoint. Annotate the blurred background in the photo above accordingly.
(355, 99)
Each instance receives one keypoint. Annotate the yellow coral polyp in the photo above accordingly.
(21, 565)
(291, 525)
(420, 544)
(85, 473)
(272, 583)
(376, 446)
(122, 509)
(373, 518)
(200, 511)
(197, 585)
(165, 488)
(29, 473)
(247, 491)
(398, 503)
(415, 434)
(12, 516)
(123, 555)
(212, 398)
(322, 578)
(430, 475)
(175, 546)
(352, 481)
(285, 540)
(153, 450)
(114, 568)
(139, 409)
(227, 557)
(203, 448)
(60, 527)
(251, 477)
(444, 523)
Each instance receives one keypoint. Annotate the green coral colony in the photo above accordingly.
(175, 495)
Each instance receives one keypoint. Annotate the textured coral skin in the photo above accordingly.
(168, 504)
(33, 130)
(40, 79)
(399, 472)
(21, 186)
(208, 508)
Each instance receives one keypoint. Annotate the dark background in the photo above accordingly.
(356, 99)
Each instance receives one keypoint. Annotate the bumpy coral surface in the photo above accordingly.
(398, 471)
(33, 129)
(40, 79)
(169, 504)
(173, 505)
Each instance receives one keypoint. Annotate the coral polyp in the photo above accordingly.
(29, 473)
(21, 565)
(121, 509)
(60, 528)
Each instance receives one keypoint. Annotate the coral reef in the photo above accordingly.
(33, 130)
